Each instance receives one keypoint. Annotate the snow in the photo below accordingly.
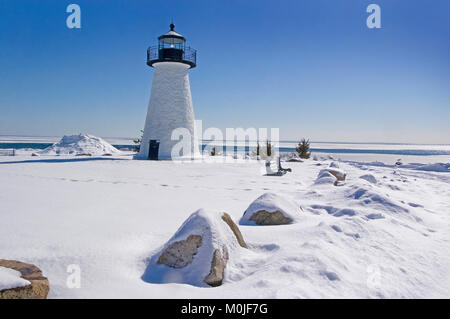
(215, 233)
(10, 278)
(324, 177)
(81, 144)
(271, 203)
(109, 215)
(369, 177)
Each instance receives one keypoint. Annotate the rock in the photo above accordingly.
(337, 173)
(218, 264)
(263, 217)
(38, 287)
(199, 251)
(235, 229)
(271, 209)
(181, 253)
(34, 154)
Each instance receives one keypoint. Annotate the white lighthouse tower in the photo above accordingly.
(170, 107)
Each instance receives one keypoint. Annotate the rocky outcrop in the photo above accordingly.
(38, 287)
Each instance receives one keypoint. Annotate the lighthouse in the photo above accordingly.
(170, 115)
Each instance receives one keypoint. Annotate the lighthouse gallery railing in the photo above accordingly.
(187, 55)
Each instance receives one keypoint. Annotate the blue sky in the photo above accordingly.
(311, 68)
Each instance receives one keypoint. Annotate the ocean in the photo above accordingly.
(325, 147)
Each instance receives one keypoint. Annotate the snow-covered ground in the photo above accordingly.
(384, 232)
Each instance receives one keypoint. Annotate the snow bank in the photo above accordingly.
(436, 167)
(324, 177)
(271, 203)
(215, 235)
(10, 278)
(369, 177)
(81, 144)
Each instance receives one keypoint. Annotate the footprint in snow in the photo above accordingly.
(375, 216)
(354, 236)
(332, 276)
(336, 228)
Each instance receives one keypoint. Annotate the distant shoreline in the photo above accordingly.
(282, 149)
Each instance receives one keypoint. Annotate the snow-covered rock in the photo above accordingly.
(19, 280)
(271, 209)
(81, 144)
(338, 173)
(325, 177)
(199, 251)
(331, 175)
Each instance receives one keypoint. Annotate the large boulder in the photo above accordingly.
(31, 284)
(199, 251)
(271, 209)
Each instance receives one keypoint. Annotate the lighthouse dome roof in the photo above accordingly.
(172, 33)
(172, 36)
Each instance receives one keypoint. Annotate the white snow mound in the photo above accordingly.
(10, 278)
(271, 203)
(215, 233)
(369, 177)
(324, 177)
(80, 144)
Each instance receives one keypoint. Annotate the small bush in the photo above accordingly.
(303, 149)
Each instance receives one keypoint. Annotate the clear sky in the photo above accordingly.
(310, 67)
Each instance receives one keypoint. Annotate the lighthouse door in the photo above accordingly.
(153, 150)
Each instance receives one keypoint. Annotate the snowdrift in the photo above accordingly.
(271, 209)
(82, 144)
